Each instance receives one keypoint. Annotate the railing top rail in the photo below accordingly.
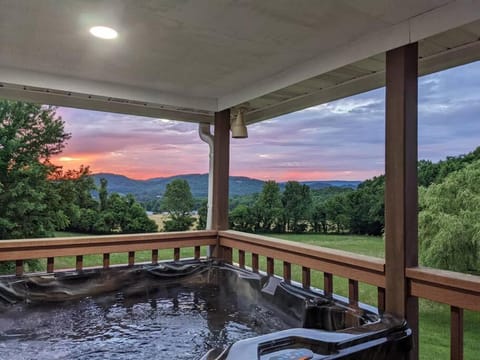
(332, 255)
(83, 240)
(52, 247)
(445, 278)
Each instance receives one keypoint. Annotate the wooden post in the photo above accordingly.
(401, 193)
(456, 333)
(79, 263)
(19, 267)
(306, 277)
(50, 264)
(287, 272)
(328, 284)
(255, 263)
(221, 160)
(131, 258)
(241, 259)
(106, 260)
(270, 266)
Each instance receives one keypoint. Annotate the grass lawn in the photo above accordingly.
(434, 317)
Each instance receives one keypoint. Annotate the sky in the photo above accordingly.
(341, 140)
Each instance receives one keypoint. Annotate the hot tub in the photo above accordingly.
(186, 310)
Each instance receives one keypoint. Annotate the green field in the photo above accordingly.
(434, 317)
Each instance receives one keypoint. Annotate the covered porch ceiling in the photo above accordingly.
(185, 60)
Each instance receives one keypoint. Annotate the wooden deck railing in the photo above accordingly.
(49, 248)
(459, 291)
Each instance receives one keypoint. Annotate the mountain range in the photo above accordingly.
(238, 185)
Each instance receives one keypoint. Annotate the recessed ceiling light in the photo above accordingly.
(103, 32)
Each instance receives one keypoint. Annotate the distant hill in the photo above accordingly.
(239, 185)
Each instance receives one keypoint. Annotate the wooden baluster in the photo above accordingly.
(306, 277)
(270, 266)
(227, 254)
(255, 263)
(328, 284)
(197, 252)
(131, 258)
(241, 259)
(287, 272)
(106, 261)
(50, 264)
(19, 267)
(155, 256)
(353, 292)
(79, 263)
(456, 333)
(176, 254)
(381, 300)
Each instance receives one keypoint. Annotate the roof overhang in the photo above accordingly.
(186, 60)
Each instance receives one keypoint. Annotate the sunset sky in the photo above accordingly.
(341, 140)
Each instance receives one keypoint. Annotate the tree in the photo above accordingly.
(29, 136)
(318, 218)
(29, 207)
(365, 207)
(336, 209)
(103, 194)
(202, 215)
(269, 206)
(449, 227)
(121, 214)
(75, 190)
(296, 202)
(242, 219)
(178, 201)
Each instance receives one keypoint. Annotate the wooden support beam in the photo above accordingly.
(401, 194)
(197, 252)
(176, 254)
(221, 160)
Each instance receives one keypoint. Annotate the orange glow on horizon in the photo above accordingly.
(106, 163)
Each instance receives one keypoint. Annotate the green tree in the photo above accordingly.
(29, 136)
(297, 202)
(103, 194)
(365, 207)
(318, 218)
(242, 219)
(337, 212)
(449, 227)
(75, 190)
(202, 215)
(269, 206)
(178, 201)
(29, 206)
(121, 214)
